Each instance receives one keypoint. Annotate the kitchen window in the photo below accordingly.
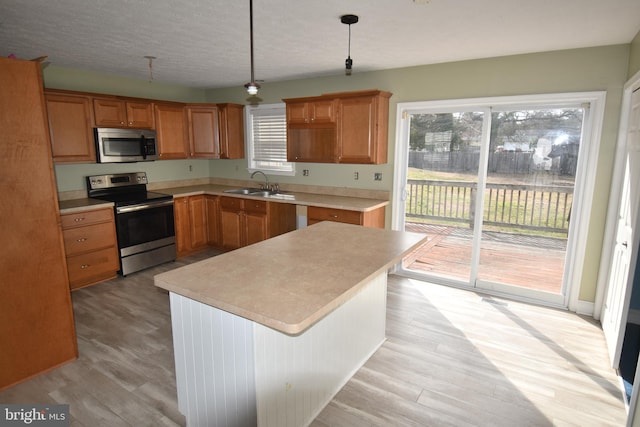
(266, 130)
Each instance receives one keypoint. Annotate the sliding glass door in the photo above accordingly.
(441, 188)
(493, 187)
(530, 181)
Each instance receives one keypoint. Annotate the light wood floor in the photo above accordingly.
(452, 358)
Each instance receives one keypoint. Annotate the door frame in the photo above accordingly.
(584, 186)
(611, 222)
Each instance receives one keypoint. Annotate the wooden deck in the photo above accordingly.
(525, 261)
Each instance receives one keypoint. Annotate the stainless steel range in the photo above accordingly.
(144, 219)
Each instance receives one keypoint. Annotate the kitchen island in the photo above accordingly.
(267, 334)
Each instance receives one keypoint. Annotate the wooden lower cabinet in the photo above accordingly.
(91, 247)
(247, 221)
(373, 218)
(213, 220)
(190, 224)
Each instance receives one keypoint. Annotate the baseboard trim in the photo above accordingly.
(585, 308)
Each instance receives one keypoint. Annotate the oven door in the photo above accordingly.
(144, 227)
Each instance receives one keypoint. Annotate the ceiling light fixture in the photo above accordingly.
(252, 87)
(348, 19)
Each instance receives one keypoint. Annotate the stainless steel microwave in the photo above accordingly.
(125, 145)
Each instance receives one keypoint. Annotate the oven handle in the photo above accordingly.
(125, 209)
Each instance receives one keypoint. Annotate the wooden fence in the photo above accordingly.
(508, 162)
(533, 207)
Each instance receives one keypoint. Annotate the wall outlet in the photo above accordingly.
(356, 175)
(305, 172)
(377, 176)
(190, 168)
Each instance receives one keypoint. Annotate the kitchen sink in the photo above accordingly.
(252, 192)
(243, 190)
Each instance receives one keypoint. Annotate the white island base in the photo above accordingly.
(231, 371)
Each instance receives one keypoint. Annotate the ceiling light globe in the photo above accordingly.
(252, 88)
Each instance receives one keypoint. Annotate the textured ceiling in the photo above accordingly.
(205, 43)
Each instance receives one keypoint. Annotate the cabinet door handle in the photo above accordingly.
(82, 239)
(84, 266)
(334, 216)
(79, 219)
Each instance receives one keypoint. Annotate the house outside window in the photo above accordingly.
(266, 133)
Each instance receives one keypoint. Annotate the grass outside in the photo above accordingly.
(516, 211)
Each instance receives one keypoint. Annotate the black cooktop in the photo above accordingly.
(133, 198)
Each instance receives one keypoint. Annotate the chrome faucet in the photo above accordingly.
(264, 186)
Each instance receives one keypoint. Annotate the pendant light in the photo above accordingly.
(348, 19)
(252, 87)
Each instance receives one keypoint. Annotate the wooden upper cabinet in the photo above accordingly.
(172, 131)
(112, 112)
(315, 145)
(310, 112)
(346, 127)
(363, 128)
(204, 135)
(231, 120)
(216, 131)
(70, 128)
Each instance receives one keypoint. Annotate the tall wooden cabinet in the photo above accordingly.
(36, 317)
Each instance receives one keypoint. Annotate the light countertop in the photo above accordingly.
(81, 205)
(291, 281)
(297, 198)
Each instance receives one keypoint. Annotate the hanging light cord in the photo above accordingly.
(252, 87)
(251, 36)
(349, 48)
(348, 19)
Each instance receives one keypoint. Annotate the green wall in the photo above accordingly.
(89, 81)
(634, 56)
(590, 69)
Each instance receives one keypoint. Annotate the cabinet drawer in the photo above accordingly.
(316, 214)
(83, 239)
(83, 268)
(231, 203)
(86, 218)
(255, 206)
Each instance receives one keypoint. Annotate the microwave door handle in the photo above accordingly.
(143, 148)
